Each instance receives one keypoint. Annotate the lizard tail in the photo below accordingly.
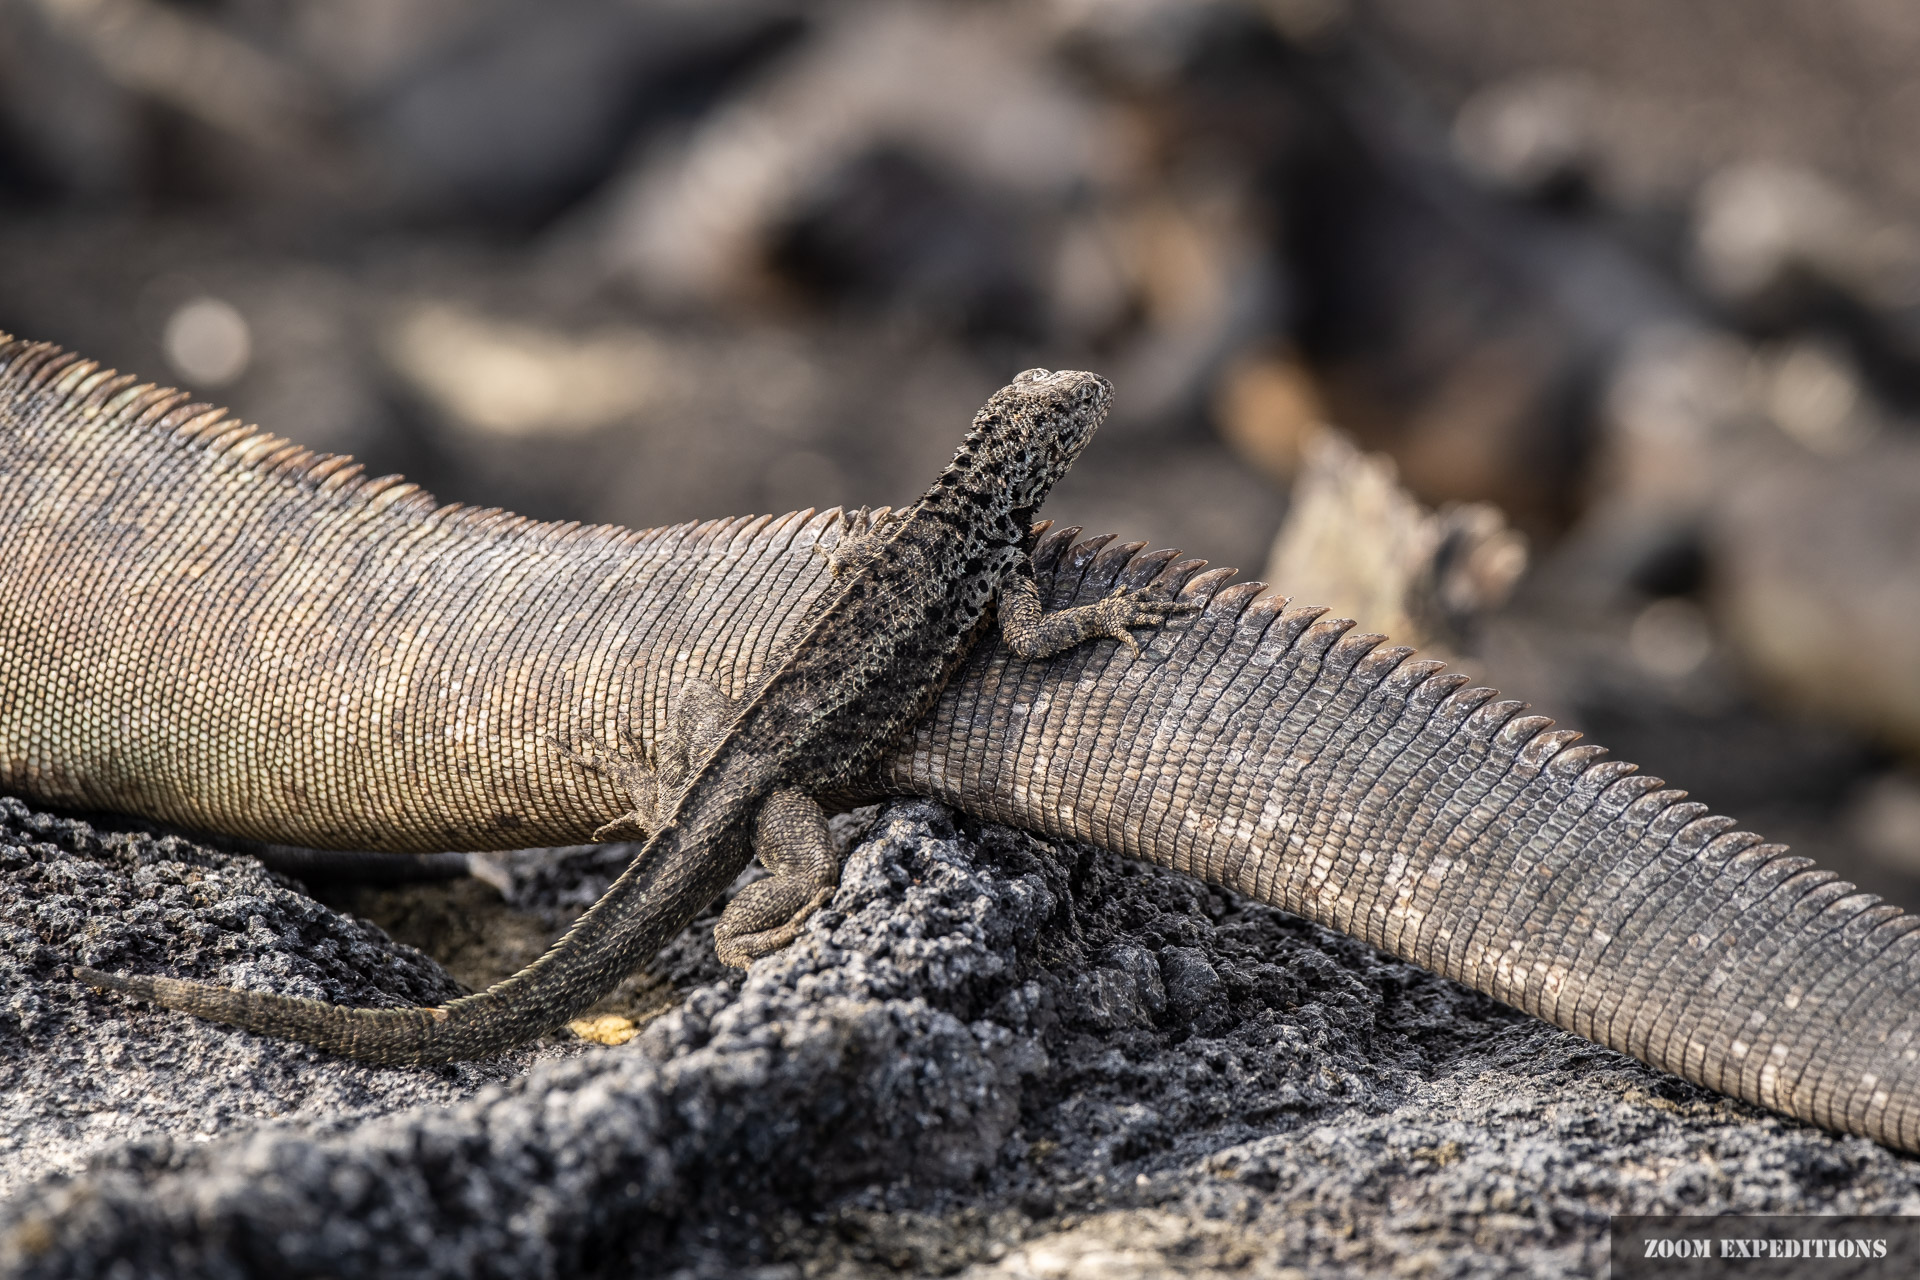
(658, 895)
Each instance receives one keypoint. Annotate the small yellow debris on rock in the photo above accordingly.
(608, 1028)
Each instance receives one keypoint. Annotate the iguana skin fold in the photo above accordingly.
(207, 625)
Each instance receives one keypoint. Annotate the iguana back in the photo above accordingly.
(208, 625)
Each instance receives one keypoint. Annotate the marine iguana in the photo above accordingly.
(210, 626)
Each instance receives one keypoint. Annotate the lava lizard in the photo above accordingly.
(207, 625)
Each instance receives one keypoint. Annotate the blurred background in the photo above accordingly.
(1578, 341)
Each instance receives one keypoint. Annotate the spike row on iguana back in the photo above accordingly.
(245, 639)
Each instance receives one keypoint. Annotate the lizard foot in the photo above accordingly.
(628, 826)
(1126, 607)
(641, 784)
(791, 838)
(738, 939)
(700, 715)
(861, 534)
(1031, 633)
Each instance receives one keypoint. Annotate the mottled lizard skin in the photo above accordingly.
(208, 626)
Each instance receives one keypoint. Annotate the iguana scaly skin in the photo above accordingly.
(205, 625)
(741, 776)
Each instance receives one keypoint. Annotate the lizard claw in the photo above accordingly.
(855, 525)
(573, 755)
(1126, 607)
(641, 784)
(848, 522)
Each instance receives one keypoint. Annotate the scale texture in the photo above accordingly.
(253, 640)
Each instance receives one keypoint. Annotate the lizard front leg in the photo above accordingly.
(790, 835)
(1030, 632)
(697, 721)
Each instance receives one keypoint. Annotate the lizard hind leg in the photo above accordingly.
(862, 533)
(791, 838)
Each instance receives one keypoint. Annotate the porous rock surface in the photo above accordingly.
(82, 1077)
(988, 1057)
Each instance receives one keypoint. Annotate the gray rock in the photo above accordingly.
(82, 1077)
(987, 1054)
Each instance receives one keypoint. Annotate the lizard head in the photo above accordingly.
(1027, 435)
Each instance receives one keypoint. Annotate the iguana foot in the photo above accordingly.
(791, 839)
